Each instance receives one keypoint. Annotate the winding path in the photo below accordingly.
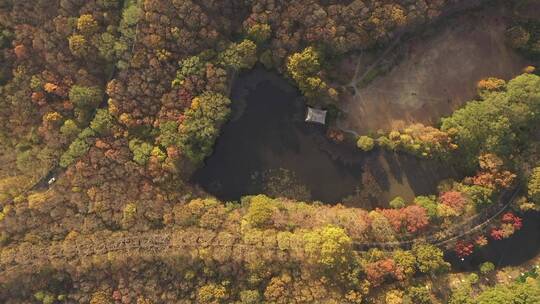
(221, 245)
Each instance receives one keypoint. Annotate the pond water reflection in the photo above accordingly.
(267, 147)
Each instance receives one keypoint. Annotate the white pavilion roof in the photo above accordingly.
(316, 115)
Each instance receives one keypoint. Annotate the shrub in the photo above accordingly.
(397, 203)
(365, 143)
(486, 268)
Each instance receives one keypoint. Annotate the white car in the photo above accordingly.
(51, 181)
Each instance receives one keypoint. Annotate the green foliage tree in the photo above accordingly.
(516, 293)
(405, 261)
(201, 125)
(239, 56)
(418, 295)
(480, 196)
(85, 97)
(397, 203)
(77, 148)
(102, 122)
(106, 46)
(429, 203)
(191, 66)
(128, 214)
(131, 16)
(168, 134)
(496, 123)
(141, 151)
(461, 294)
(5, 36)
(486, 268)
(430, 259)
(70, 129)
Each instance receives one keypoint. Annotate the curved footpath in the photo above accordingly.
(221, 246)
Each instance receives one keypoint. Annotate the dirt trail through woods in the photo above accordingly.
(221, 246)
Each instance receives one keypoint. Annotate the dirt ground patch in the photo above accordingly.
(436, 74)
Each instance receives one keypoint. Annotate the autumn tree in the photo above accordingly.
(78, 45)
(381, 229)
(260, 211)
(329, 247)
(250, 297)
(533, 186)
(201, 125)
(87, 25)
(419, 295)
(212, 294)
(259, 32)
(415, 218)
(101, 297)
(394, 296)
(454, 200)
(405, 263)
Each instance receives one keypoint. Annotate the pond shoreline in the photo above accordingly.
(267, 134)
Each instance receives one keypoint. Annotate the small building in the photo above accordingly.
(316, 115)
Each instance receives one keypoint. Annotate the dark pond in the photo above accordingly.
(522, 246)
(267, 147)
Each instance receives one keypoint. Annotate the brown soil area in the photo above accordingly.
(437, 74)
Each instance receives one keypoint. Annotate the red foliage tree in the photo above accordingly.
(416, 218)
(497, 234)
(377, 271)
(510, 218)
(464, 249)
(481, 241)
(453, 199)
(394, 216)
